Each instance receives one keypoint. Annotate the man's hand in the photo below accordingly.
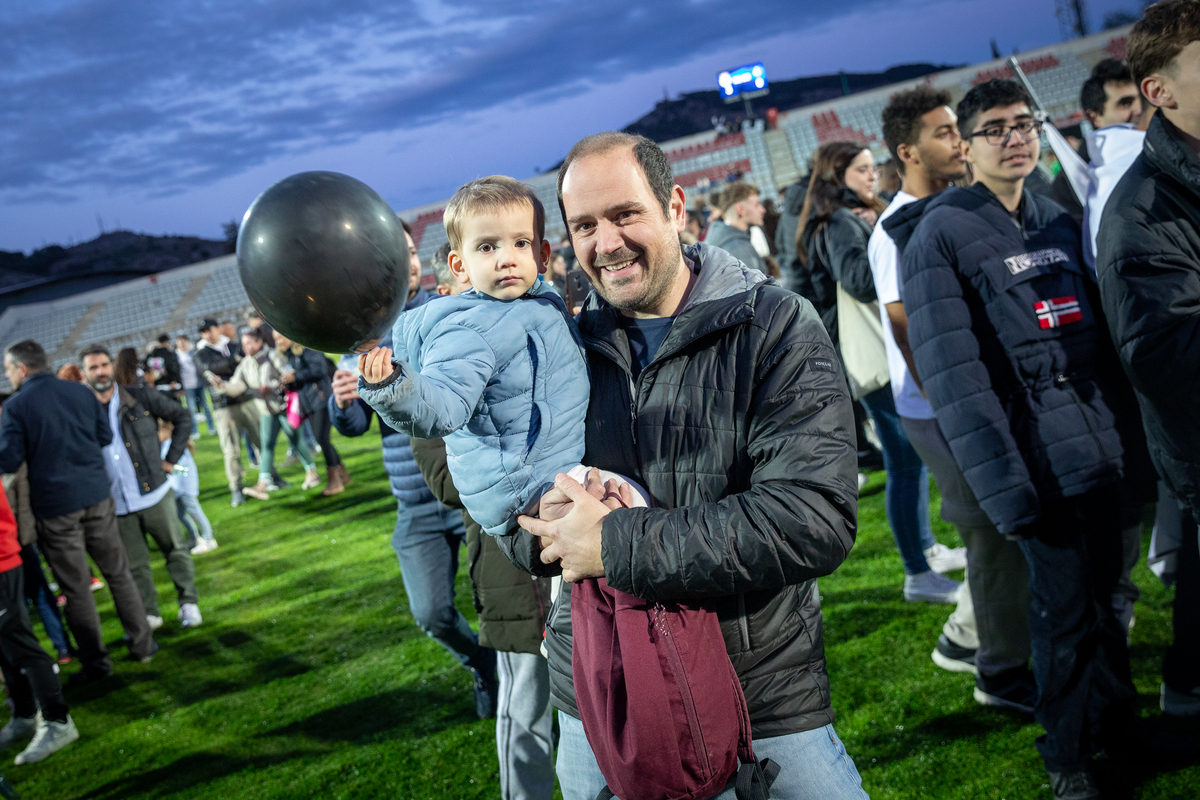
(376, 365)
(574, 538)
(168, 467)
(345, 388)
(867, 215)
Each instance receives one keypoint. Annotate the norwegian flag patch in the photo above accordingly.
(1057, 312)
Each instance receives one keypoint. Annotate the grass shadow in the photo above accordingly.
(400, 713)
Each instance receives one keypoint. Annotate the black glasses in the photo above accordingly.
(998, 135)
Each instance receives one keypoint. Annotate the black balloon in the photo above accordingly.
(324, 260)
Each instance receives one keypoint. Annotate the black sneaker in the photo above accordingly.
(487, 687)
(954, 657)
(146, 659)
(1013, 688)
(1073, 786)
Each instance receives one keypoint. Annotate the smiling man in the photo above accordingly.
(1010, 346)
(721, 394)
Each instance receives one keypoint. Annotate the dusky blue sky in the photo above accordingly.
(169, 118)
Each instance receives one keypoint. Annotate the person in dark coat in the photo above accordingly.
(720, 393)
(57, 428)
(168, 374)
(1009, 344)
(1149, 271)
(512, 618)
(145, 502)
(310, 375)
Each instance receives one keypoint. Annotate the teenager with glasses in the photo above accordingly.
(1010, 345)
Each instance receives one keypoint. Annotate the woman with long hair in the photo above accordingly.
(308, 374)
(125, 368)
(840, 210)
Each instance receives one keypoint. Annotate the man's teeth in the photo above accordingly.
(617, 267)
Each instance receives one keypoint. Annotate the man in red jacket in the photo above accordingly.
(39, 710)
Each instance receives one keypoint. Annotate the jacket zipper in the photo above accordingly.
(685, 689)
(1064, 381)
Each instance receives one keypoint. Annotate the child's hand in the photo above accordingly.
(376, 365)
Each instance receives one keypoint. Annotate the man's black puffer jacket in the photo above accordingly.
(743, 433)
(1149, 266)
(1027, 395)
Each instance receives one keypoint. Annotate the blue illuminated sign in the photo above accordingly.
(748, 81)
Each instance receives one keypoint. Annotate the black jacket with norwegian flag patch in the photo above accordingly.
(1010, 343)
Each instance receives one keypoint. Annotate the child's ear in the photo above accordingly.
(457, 267)
(545, 262)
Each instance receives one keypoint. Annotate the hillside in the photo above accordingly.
(692, 112)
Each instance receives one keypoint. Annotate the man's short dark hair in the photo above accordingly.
(995, 93)
(650, 157)
(164, 338)
(29, 353)
(902, 117)
(253, 333)
(1164, 29)
(95, 350)
(1093, 96)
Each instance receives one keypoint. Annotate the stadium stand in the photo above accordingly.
(134, 312)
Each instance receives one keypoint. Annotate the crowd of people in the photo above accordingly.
(660, 472)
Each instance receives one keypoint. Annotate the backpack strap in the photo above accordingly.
(754, 780)
(605, 794)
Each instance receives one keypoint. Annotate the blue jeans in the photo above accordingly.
(193, 518)
(814, 765)
(907, 494)
(197, 399)
(38, 594)
(427, 539)
(524, 727)
(269, 428)
(1080, 658)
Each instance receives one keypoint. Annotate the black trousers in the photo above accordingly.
(320, 422)
(1181, 666)
(28, 669)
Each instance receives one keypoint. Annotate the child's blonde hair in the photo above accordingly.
(490, 194)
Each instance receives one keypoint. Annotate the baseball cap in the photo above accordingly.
(208, 322)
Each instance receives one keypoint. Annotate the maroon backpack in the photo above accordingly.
(660, 702)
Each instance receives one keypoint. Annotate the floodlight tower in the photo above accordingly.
(1072, 18)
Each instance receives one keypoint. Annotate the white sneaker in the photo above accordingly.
(189, 615)
(154, 622)
(19, 729)
(946, 559)
(49, 739)
(201, 547)
(930, 587)
(863, 480)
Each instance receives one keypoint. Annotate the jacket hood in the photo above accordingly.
(221, 344)
(719, 276)
(1164, 149)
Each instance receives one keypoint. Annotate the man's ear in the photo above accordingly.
(678, 208)
(1157, 92)
(457, 267)
(907, 154)
(544, 262)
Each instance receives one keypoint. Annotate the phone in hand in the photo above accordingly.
(578, 287)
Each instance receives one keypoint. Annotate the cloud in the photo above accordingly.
(159, 97)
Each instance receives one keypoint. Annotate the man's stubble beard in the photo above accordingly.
(659, 279)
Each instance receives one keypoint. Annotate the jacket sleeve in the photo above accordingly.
(103, 430)
(160, 407)
(797, 519)
(353, 420)
(958, 384)
(1152, 299)
(457, 365)
(847, 239)
(236, 385)
(12, 441)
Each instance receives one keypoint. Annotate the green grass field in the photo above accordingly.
(310, 679)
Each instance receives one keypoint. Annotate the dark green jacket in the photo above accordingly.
(140, 409)
(511, 603)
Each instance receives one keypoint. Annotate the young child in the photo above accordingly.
(185, 481)
(498, 371)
